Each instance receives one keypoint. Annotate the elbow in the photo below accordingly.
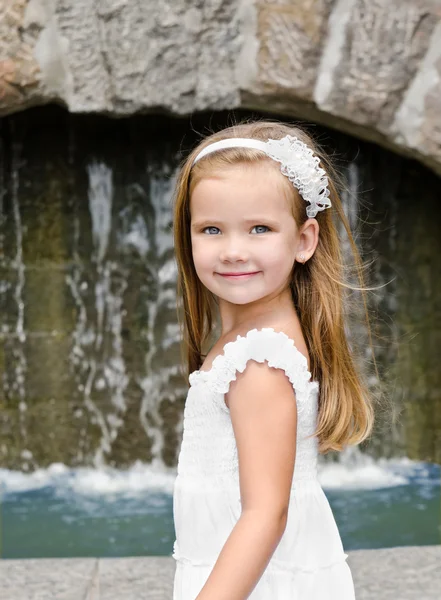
(280, 515)
(283, 519)
(274, 519)
(279, 520)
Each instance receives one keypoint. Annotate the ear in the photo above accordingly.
(308, 240)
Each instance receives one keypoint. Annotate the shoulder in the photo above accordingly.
(293, 330)
(286, 328)
(258, 385)
(279, 357)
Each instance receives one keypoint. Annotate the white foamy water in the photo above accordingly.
(365, 474)
(355, 470)
(139, 479)
(369, 476)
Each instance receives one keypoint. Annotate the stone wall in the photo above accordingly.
(371, 68)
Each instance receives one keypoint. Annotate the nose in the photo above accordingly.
(234, 249)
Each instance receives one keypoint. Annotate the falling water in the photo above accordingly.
(155, 385)
(97, 350)
(94, 377)
(381, 342)
(14, 381)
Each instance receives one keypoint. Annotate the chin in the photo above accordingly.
(240, 300)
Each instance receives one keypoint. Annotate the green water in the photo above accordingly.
(75, 513)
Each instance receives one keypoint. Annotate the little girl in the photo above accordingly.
(257, 246)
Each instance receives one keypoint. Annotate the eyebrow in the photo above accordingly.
(254, 220)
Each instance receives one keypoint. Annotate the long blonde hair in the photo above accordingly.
(318, 288)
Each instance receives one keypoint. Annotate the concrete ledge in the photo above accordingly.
(409, 573)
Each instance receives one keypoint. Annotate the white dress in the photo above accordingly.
(309, 562)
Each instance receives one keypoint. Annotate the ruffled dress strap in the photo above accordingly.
(260, 345)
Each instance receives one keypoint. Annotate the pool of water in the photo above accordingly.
(62, 512)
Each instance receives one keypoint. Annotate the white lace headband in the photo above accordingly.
(298, 163)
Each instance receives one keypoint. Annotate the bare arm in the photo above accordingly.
(243, 558)
(264, 418)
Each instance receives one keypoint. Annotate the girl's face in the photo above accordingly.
(241, 223)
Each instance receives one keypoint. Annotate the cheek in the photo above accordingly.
(197, 248)
(279, 254)
(202, 256)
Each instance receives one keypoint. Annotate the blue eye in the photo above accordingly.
(213, 227)
(265, 226)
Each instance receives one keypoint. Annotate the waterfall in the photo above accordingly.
(90, 362)
(97, 343)
(13, 329)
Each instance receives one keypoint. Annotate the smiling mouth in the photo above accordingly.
(239, 275)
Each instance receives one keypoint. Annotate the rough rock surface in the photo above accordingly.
(368, 67)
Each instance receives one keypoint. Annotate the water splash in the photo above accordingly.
(356, 471)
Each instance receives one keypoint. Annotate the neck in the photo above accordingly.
(237, 317)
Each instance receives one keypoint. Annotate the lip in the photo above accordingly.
(240, 276)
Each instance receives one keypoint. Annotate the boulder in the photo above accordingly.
(368, 68)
